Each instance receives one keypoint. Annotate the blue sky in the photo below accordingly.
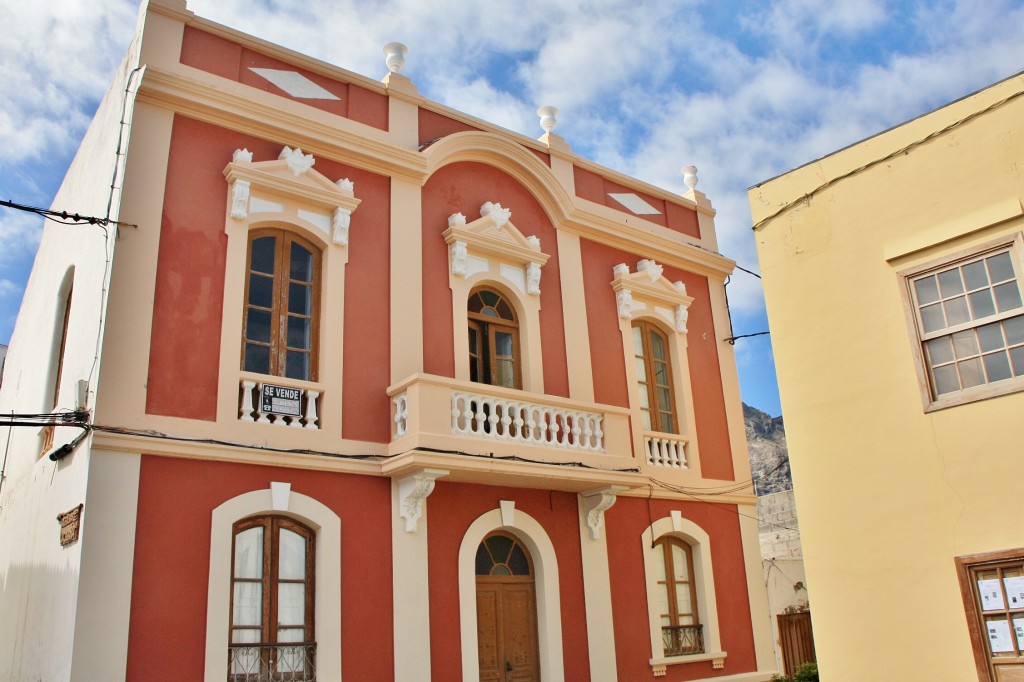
(742, 90)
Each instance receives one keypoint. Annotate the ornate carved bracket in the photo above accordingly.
(413, 491)
(596, 502)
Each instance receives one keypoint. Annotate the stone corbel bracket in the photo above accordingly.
(413, 491)
(649, 290)
(309, 188)
(494, 236)
(596, 503)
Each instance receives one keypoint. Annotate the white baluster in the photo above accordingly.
(312, 409)
(245, 414)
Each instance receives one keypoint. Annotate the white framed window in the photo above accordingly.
(968, 316)
(653, 314)
(681, 605)
(490, 254)
(243, 592)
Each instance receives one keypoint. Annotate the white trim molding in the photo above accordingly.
(707, 606)
(327, 613)
(545, 564)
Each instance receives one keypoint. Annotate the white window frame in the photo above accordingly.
(704, 578)
(647, 294)
(491, 251)
(279, 500)
(931, 400)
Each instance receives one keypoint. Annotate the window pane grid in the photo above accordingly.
(654, 379)
(280, 324)
(971, 322)
(1000, 590)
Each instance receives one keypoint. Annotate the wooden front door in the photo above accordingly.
(506, 612)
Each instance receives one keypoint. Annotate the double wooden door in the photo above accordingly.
(506, 617)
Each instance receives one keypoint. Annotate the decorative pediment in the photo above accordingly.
(257, 186)
(648, 289)
(493, 235)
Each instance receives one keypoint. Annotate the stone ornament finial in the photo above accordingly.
(298, 163)
(395, 56)
(547, 118)
(242, 155)
(690, 176)
(498, 213)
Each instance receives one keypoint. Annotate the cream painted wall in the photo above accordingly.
(889, 494)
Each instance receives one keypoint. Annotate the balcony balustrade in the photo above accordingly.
(665, 450)
(279, 403)
(430, 411)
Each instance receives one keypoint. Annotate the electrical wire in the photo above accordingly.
(63, 217)
(888, 157)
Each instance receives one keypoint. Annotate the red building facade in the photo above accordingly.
(390, 393)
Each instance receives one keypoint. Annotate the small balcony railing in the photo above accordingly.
(665, 450)
(283, 405)
(272, 662)
(683, 640)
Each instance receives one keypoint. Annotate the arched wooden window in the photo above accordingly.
(681, 629)
(493, 340)
(272, 601)
(282, 304)
(654, 374)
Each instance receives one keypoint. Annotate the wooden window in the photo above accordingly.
(680, 622)
(992, 588)
(282, 303)
(61, 342)
(969, 316)
(272, 600)
(654, 374)
(493, 340)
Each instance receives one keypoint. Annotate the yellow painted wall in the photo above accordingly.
(889, 494)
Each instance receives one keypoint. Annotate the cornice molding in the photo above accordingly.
(232, 105)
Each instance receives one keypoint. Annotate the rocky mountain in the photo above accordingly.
(766, 444)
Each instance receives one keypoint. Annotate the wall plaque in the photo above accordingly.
(70, 521)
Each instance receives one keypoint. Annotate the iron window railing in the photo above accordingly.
(683, 640)
(272, 662)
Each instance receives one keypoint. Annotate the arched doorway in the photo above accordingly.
(506, 611)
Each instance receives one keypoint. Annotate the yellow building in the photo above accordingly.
(893, 275)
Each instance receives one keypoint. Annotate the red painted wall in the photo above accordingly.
(167, 630)
(464, 187)
(433, 126)
(593, 187)
(702, 352)
(227, 59)
(452, 508)
(624, 525)
(188, 304)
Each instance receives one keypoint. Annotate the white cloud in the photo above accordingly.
(19, 233)
(9, 288)
(55, 62)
